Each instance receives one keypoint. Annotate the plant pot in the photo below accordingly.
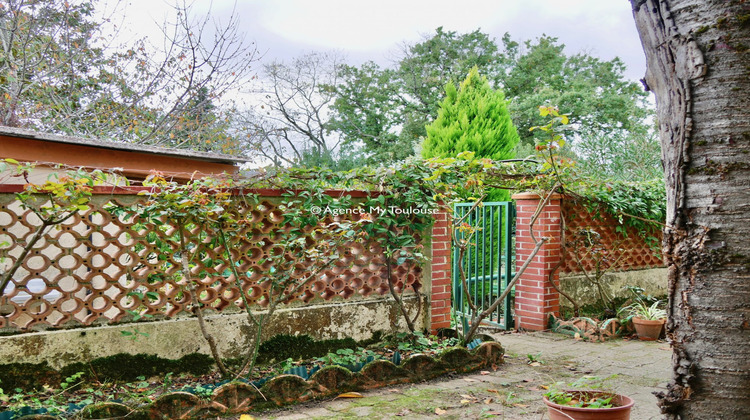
(647, 329)
(564, 412)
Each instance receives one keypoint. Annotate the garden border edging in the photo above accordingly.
(239, 397)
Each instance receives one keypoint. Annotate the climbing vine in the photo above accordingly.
(637, 205)
(396, 214)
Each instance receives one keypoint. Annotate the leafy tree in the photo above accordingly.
(204, 127)
(368, 113)
(385, 110)
(60, 75)
(627, 156)
(426, 67)
(472, 118)
(47, 59)
(595, 94)
(158, 90)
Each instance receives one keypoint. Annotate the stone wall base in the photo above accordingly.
(172, 339)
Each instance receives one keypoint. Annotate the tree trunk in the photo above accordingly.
(699, 69)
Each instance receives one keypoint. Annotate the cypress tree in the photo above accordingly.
(473, 118)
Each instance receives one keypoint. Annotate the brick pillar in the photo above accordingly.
(440, 285)
(536, 299)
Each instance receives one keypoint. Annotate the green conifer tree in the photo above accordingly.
(473, 118)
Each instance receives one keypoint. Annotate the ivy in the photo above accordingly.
(637, 205)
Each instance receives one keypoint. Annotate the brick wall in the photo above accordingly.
(440, 301)
(535, 298)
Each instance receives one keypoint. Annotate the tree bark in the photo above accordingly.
(699, 70)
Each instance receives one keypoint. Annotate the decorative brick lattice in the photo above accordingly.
(98, 268)
(630, 250)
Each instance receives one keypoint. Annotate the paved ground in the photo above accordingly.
(514, 390)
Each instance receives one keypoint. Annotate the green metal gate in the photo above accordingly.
(488, 262)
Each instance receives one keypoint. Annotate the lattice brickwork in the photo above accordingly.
(97, 268)
(636, 254)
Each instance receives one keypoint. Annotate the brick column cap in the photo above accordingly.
(534, 196)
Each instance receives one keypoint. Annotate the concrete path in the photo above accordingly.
(514, 390)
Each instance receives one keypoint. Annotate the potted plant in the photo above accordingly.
(648, 320)
(573, 402)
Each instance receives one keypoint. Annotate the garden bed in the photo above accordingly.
(198, 396)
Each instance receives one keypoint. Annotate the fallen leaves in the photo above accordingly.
(471, 399)
(439, 411)
(468, 399)
(350, 395)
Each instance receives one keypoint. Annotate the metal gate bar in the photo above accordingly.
(488, 261)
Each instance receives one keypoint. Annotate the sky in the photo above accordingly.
(374, 30)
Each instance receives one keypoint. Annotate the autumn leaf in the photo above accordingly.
(350, 395)
(439, 411)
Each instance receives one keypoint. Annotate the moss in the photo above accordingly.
(105, 410)
(128, 367)
(701, 30)
(284, 346)
(195, 364)
(74, 368)
(744, 20)
(27, 376)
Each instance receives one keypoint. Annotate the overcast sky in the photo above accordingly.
(373, 30)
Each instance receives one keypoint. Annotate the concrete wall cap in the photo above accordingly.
(534, 196)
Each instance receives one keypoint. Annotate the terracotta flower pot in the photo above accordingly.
(648, 330)
(621, 411)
